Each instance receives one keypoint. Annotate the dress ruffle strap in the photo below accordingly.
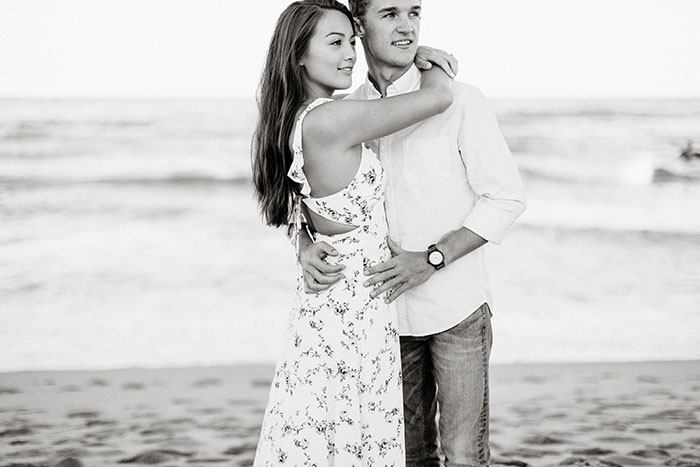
(295, 224)
(296, 173)
(296, 170)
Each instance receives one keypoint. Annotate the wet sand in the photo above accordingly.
(603, 414)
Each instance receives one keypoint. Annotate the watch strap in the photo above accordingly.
(432, 248)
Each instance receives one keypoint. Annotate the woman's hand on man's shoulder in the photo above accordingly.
(427, 56)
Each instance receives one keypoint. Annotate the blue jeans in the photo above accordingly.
(449, 370)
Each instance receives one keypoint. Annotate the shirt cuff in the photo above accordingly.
(491, 222)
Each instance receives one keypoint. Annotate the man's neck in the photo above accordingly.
(383, 76)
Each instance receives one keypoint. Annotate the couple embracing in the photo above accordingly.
(390, 192)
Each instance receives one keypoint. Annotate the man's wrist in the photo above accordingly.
(435, 257)
(305, 239)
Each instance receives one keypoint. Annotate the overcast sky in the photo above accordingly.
(215, 48)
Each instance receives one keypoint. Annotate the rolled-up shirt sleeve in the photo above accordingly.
(500, 195)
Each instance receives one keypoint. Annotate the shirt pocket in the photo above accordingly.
(426, 160)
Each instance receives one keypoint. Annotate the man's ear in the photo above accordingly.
(359, 28)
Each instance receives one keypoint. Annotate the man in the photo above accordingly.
(452, 187)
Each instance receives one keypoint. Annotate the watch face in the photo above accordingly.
(435, 258)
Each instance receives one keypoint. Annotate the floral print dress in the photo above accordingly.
(336, 396)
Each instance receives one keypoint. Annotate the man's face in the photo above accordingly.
(390, 31)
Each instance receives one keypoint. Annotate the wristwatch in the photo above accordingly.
(435, 257)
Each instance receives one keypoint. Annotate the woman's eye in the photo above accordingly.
(338, 42)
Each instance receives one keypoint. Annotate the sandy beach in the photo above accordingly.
(609, 414)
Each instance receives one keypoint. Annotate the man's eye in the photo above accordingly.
(390, 15)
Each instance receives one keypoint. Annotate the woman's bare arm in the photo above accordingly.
(346, 123)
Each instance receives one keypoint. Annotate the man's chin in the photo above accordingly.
(408, 56)
(403, 59)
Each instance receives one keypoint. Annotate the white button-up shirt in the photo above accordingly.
(450, 171)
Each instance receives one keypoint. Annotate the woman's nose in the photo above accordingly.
(350, 54)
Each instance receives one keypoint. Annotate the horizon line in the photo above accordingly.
(78, 97)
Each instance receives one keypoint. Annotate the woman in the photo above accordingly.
(336, 396)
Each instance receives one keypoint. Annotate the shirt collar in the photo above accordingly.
(407, 82)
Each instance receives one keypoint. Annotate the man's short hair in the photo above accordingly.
(358, 8)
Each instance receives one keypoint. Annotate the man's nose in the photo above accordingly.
(405, 25)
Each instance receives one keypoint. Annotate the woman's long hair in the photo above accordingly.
(280, 94)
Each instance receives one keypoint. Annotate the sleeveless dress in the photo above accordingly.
(336, 396)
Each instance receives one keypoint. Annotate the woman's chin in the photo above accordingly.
(345, 84)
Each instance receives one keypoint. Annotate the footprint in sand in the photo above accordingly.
(98, 382)
(19, 442)
(178, 421)
(662, 393)
(208, 460)
(648, 379)
(66, 462)
(182, 401)
(619, 439)
(91, 423)
(13, 432)
(223, 424)
(156, 456)
(156, 431)
(26, 453)
(683, 461)
(596, 451)
(245, 448)
(543, 440)
(261, 383)
(508, 462)
(62, 441)
(588, 462)
(617, 425)
(242, 402)
(257, 410)
(624, 405)
(651, 453)
(206, 411)
(83, 414)
(628, 460)
(587, 428)
(533, 379)
(69, 388)
(75, 453)
(207, 382)
(647, 430)
(133, 386)
(246, 463)
(674, 446)
(672, 414)
(529, 453)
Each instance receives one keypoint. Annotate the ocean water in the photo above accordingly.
(129, 236)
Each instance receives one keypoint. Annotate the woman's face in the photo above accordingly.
(329, 60)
